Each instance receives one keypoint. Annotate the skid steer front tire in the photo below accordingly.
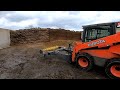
(84, 61)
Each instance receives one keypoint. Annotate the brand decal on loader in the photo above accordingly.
(96, 42)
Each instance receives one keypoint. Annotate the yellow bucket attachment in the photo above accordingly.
(51, 48)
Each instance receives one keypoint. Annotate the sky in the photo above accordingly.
(70, 20)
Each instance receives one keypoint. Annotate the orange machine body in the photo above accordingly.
(106, 47)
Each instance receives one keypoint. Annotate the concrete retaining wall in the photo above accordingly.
(4, 38)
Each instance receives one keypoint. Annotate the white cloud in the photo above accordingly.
(27, 22)
(55, 19)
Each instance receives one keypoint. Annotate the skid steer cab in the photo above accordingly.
(100, 46)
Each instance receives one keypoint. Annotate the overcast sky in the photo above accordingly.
(72, 20)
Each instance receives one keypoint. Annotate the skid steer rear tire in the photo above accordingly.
(84, 61)
(112, 69)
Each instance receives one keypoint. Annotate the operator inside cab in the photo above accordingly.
(118, 27)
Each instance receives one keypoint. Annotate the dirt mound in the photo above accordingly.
(29, 36)
(61, 34)
(42, 35)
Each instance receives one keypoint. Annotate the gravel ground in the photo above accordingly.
(25, 62)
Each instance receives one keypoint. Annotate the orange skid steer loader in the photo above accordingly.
(100, 46)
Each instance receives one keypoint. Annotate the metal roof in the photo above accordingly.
(99, 24)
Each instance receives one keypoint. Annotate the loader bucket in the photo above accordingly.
(60, 52)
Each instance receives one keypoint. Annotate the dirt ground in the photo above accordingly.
(24, 62)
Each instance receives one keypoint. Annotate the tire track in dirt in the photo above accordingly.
(25, 62)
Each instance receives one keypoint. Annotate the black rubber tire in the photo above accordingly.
(108, 66)
(89, 59)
